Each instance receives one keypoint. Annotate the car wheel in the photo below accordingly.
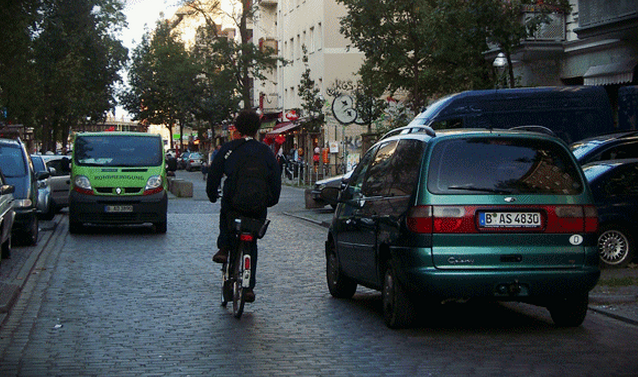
(6, 248)
(49, 214)
(398, 310)
(615, 246)
(569, 311)
(340, 286)
(160, 227)
(31, 237)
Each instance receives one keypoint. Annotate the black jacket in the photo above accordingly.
(222, 166)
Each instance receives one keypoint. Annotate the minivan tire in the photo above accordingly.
(569, 311)
(340, 286)
(398, 310)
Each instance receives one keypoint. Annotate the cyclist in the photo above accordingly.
(225, 163)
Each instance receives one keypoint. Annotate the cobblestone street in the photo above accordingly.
(129, 302)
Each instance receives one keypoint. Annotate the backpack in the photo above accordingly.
(250, 192)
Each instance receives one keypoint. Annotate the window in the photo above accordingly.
(379, 179)
(503, 166)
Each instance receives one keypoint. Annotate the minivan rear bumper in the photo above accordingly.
(92, 209)
(503, 285)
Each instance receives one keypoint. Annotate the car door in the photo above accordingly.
(60, 180)
(344, 223)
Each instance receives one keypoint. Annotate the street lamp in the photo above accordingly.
(500, 63)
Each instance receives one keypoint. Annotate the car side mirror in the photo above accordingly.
(7, 189)
(42, 175)
(330, 195)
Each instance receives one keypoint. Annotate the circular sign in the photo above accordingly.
(343, 109)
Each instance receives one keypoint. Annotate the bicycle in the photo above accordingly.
(237, 269)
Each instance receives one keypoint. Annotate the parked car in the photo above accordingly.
(338, 181)
(465, 214)
(60, 180)
(614, 184)
(6, 216)
(194, 161)
(17, 167)
(44, 206)
(181, 160)
(613, 146)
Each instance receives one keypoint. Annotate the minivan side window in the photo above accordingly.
(378, 181)
(356, 180)
(405, 167)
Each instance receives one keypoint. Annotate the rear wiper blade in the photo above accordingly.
(480, 189)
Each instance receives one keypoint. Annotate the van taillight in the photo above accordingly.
(441, 219)
(572, 219)
(419, 219)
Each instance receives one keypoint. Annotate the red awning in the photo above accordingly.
(282, 127)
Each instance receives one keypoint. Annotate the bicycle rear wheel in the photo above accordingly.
(237, 281)
(227, 293)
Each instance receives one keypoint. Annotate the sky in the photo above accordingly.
(141, 14)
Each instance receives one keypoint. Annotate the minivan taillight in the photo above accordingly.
(419, 219)
(572, 219)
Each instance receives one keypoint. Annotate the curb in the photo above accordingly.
(12, 286)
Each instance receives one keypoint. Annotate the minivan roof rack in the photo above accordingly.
(409, 130)
(534, 128)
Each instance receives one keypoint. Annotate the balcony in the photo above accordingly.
(268, 43)
(608, 19)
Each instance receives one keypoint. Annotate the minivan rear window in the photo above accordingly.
(13, 164)
(118, 150)
(490, 165)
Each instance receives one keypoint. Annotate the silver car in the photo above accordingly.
(44, 205)
(60, 180)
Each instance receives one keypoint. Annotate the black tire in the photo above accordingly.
(6, 248)
(340, 286)
(569, 311)
(238, 288)
(615, 246)
(75, 227)
(398, 310)
(227, 293)
(31, 234)
(49, 214)
(160, 227)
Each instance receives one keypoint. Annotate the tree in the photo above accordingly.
(162, 80)
(243, 58)
(77, 60)
(311, 100)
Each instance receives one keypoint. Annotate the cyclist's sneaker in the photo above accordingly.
(249, 295)
(221, 256)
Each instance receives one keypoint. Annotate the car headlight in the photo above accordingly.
(82, 182)
(153, 183)
(22, 203)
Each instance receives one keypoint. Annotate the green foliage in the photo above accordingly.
(311, 100)
(428, 48)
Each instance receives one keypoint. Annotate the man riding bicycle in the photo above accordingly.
(229, 161)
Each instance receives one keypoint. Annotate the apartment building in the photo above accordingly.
(286, 26)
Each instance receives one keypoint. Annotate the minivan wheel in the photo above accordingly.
(398, 310)
(615, 246)
(340, 286)
(31, 236)
(569, 311)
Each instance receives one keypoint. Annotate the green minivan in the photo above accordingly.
(118, 178)
(465, 214)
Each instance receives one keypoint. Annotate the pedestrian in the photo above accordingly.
(230, 161)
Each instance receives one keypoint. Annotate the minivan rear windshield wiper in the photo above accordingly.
(480, 189)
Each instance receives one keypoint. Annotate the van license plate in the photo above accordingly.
(118, 209)
(510, 219)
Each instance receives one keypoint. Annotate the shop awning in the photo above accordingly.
(282, 127)
(606, 74)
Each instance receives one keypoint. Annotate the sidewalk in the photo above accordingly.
(616, 294)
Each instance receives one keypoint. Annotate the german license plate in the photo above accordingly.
(119, 209)
(510, 219)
